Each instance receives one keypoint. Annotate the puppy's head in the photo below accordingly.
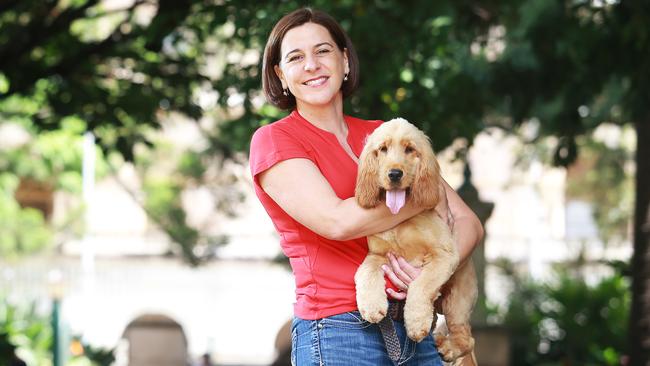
(396, 164)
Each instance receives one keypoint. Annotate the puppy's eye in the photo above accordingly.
(409, 149)
(383, 149)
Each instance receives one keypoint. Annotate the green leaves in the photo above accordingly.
(63, 61)
(27, 329)
(22, 230)
(415, 62)
(568, 320)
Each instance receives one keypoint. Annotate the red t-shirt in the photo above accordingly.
(324, 269)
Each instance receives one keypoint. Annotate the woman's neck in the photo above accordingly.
(328, 117)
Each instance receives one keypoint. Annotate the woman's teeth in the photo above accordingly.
(316, 82)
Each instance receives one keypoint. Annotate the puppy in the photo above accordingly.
(397, 164)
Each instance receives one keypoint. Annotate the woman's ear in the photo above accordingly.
(425, 192)
(367, 189)
(280, 75)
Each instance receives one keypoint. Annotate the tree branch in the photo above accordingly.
(7, 4)
(38, 32)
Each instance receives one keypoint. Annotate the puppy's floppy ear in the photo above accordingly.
(425, 191)
(367, 189)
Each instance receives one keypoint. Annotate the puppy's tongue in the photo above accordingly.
(395, 200)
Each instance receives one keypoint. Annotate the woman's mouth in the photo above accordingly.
(316, 81)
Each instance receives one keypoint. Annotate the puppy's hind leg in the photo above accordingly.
(459, 299)
(371, 296)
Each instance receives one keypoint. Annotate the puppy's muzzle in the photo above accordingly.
(395, 175)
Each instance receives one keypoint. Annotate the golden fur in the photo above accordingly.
(424, 240)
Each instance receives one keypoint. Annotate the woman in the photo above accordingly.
(304, 168)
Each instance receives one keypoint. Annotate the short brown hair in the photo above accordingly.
(271, 83)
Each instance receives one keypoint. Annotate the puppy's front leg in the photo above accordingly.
(370, 283)
(422, 292)
(418, 310)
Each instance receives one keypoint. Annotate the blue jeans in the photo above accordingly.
(347, 339)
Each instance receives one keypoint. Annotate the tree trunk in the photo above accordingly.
(639, 331)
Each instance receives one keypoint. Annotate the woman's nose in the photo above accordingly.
(311, 63)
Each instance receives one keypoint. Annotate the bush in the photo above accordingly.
(27, 330)
(567, 321)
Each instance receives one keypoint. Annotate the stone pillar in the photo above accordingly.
(492, 347)
(483, 210)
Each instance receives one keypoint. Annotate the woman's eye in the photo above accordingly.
(323, 50)
(409, 150)
(294, 58)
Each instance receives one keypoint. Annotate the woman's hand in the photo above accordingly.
(401, 274)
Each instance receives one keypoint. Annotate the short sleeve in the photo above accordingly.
(270, 146)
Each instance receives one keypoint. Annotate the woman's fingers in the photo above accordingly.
(396, 295)
(411, 272)
(399, 272)
(394, 278)
(403, 269)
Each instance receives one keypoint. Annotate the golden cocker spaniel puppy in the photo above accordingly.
(396, 165)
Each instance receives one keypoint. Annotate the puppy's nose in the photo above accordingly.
(395, 175)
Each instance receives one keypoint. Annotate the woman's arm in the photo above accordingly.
(300, 189)
(465, 225)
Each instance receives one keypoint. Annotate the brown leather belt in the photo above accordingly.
(396, 310)
(388, 333)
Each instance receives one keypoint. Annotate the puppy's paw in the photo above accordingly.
(418, 321)
(446, 348)
(417, 333)
(373, 311)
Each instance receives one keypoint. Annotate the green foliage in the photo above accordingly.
(557, 66)
(53, 159)
(55, 53)
(567, 321)
(28, 330)
(99, 356)
(89, 355)
(164, 206)
(121, 80)
(166, 173)
(452, 68)
(191, 165)
(22, 230)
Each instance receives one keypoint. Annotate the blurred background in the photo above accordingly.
(130, 235)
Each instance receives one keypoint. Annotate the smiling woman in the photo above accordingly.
(274, 53)
(312, 68)
(304, 168)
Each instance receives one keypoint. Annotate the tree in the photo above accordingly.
(116, 71)
(55, 62)
(574, 65)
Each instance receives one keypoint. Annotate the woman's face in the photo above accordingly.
(311, 65)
